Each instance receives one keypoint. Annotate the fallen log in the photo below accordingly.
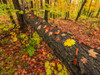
(79, 59)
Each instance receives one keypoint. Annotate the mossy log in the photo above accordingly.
(67, 55)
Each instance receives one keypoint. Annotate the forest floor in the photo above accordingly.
(86, 31)
(15, 53)
(15, 58)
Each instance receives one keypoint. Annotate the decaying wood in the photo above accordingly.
(90, 66)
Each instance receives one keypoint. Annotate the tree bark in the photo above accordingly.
(32, 6)
(19, 16)
(46, 11)
(89, 7)
(9, 13)
(67, 54)
(41, 3)
(79, 13)
(98, 13)
(67, 13)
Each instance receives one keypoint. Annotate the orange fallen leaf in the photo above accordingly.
(84, 60)
(76, 53)
(56, 33)
(92, 53)
(45, 26)
(32, 16)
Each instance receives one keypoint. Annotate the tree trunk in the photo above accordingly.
(41, 3)
(79, 13)
(9, 13)
(19, 16)
(98, 13)
(67, 13)
(32, 6)
(46, 11)
(89, 7)
(77, 65)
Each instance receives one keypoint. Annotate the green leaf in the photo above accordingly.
(21, 12)
(60, 73)
(48, 71)
(59, 67)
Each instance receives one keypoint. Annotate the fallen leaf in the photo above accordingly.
(46, 31)
(36, 23)
(58, 39)
(58, 30)
(84, 60)
(45, 26)
(63, 34)
(76, 53)
(39, 27)
(43, 20)
(92, 53)
(39, 22)
(56, 33)
(50, 33)
(75, 62)
(32, 16)
(51, 28)
(72, 37)
(29, 14)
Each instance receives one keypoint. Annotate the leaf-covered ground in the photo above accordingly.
(86, 31)
(16, 57)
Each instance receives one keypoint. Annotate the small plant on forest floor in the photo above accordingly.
(33, 42)
(57, 69)
(6, 42)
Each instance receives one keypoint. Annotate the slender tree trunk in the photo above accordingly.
(9, 13)
(89, 7)
(98, 13)
(67, 13)
(79, 13)
(90, 14)
(46, 11)
(41, 3)
(32, 6)
(19, 16)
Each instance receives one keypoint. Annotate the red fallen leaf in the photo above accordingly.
(21, 70)
(47, 28)
(29, 69)
(39, 22)
(56, 33)
(51, 28)
(58, 39)
(80, 41)
(75, 62)
(76, 53)
(5, 65)
(42, 67)
(85, 43)
(32, 16)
